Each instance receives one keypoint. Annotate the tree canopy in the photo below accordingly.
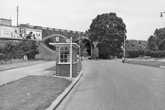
(152, 43)
(157, 41)
(108, 30)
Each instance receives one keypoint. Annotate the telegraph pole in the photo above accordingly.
(17, 15)
(71, 57)
(124, 45)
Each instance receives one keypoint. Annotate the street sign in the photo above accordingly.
(57, 39)
(67, 40)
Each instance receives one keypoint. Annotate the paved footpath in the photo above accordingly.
(4, 67)
(112, 85)
(17, 73)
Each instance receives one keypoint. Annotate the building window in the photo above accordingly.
(64, 54)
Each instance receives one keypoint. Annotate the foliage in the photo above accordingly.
(157, 41)
(29, 48)
(108, 30)
(88, 47)
(156, 44)
(25, 47)
(155, 54)
(152, 43)
(135, 45)
(137, 53)
(11, 48)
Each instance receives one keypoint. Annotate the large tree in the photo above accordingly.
(160, 34)
(108, 30)
(152, 43)
(157, 42)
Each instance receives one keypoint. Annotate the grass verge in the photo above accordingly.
(31, 93)
(147, 63)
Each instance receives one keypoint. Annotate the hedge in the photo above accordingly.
(155, 54)
(24, 47)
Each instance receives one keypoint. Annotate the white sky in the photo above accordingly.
(141, 17)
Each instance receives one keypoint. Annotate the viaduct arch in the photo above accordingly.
(89, 46)
(54, 35)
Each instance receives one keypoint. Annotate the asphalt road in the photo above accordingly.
(112, 85)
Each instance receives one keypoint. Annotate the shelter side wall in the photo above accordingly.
(64, 70)
(74, 55)
(75, 73)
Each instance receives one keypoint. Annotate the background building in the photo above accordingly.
(6, 22)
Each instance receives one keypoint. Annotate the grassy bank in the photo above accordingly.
(31, 93)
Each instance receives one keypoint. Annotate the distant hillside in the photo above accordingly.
(134, 45)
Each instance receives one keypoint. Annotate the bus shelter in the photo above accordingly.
(67, 60)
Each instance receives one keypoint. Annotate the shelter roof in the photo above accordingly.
(75, 45)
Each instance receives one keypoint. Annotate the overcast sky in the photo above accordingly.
(141, 17)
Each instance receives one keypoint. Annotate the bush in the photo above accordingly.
(29, 48)
(25, 47)
(155, 54)
(134, 54)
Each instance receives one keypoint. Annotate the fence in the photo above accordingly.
(11, 56)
